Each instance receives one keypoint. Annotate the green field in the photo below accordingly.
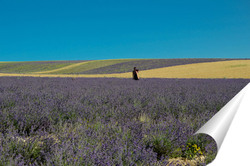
(36, 66)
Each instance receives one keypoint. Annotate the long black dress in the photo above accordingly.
(135, 76)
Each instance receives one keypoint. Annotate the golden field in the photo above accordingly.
(222, 69)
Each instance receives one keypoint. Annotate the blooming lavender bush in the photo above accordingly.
(107, 121)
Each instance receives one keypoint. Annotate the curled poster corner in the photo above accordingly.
(232, 121)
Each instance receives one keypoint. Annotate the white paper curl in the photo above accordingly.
(231, 124)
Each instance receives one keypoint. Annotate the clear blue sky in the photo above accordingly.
(33, 30)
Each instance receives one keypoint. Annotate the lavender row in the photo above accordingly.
(146, 64)
(106, 121)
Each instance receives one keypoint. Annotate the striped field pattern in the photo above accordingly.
(219, 69)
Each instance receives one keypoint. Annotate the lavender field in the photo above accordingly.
(144, 64)
(108, 121)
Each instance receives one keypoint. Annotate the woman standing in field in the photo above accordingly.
(135, 74)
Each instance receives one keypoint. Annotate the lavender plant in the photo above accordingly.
(107, 121)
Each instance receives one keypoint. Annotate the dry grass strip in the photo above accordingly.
(185, 162)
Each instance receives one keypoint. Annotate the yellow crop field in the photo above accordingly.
(222, 69)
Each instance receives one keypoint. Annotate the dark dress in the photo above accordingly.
(135, 76)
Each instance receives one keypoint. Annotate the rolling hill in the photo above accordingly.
(149, 68)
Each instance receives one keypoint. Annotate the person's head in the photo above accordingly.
(134, 68)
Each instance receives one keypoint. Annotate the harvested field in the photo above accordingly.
(223, 69)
